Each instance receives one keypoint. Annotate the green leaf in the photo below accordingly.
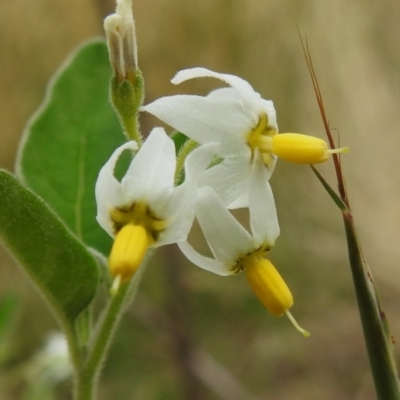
(70, 138)
(59, 264)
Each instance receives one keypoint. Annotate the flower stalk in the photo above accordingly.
(87, 376)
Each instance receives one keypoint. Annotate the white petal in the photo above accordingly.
(150, 176)
(263, 217)
(240, 202)
(229, 179)
(197, 161)
(227, 238)
(205, 119)
(108, 190)
(226, 94)
(230, 95)
(269, 109)
(179, 226)
(250, 97)
(180, 209)
(207, 263)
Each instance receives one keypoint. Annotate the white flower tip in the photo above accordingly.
(111, 23)
(191, 73)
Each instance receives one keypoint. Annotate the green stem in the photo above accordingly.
(373, 320)
(127, 97)
(334, 196)
(186, 149)
(83, 327)
(131, 126)
(86, 376)
(73, 343)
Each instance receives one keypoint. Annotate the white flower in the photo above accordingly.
(235, 249)
(242, 124)
(145, 209)
(235, 118)
(228, 240)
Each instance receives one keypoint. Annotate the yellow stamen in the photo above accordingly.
(260, 138)
(129, 248)
(296, 325)
(302, 149)
(268, 285)
(270, 288)
(139, 213)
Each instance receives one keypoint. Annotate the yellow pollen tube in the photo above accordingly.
(270, 288)
(129, 248)
(302, 149)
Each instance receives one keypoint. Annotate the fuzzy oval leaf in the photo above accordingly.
(60, 265)
(70, 138)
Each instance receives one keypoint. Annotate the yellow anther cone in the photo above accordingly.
(269, 286)
(129, 248)
(271, 289)
(301, 149)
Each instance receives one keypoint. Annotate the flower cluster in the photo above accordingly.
(234, 134)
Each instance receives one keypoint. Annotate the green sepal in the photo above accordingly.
(70, 138)
(127, 97)
(59, 264)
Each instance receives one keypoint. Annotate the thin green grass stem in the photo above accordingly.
(375, 328)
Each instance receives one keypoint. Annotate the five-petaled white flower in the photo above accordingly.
(145, 209)
(235, 249)
(235, 118)
(242, 124)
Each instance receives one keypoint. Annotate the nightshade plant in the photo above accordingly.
(65, 201)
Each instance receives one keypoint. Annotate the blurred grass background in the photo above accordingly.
(193, 335)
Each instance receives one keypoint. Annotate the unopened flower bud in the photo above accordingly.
(121, 40)
(127, 86)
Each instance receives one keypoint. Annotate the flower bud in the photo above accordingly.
(127, 86)
(121, 40)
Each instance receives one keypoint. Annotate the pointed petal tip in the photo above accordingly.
(190, 73)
